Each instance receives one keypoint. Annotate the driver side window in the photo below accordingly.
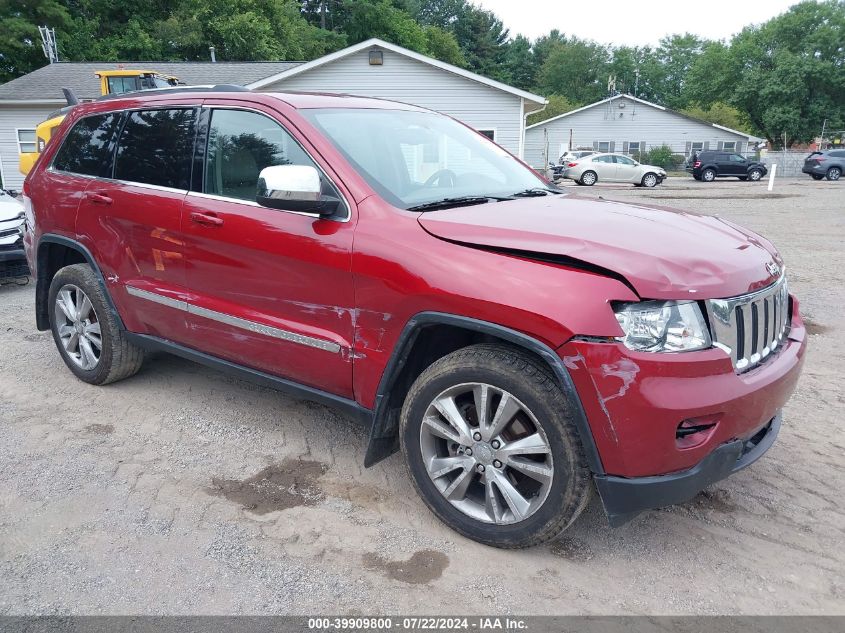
(240, 145)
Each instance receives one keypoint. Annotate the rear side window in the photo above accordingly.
(155, 148)
(838, 154)
(87, 148)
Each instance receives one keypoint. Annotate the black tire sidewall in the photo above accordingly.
(595, 178)
(752, 173)
(86, 281)
(564, 459)
(704, 175)
(834, 170)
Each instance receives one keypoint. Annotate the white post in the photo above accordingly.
(772, 176)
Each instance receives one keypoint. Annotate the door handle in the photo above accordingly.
(208, 219)
(98, 198)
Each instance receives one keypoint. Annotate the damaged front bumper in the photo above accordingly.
(625, 498)
(645, 411)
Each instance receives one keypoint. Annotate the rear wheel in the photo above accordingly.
(708, 175)
(491, 447)
(589, 178)
(834, 173)
(85, 330)
(754, 175)
(649, 180)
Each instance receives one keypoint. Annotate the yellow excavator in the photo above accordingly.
(112, 82)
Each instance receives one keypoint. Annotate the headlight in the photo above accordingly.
(662, 326)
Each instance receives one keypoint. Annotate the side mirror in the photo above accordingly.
(294, 188)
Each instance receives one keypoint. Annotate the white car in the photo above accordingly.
(613, 168)
(12, 257)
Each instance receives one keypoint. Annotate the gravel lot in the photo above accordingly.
(184, 491)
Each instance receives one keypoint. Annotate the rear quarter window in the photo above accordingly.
(87, 148)
(155, 147)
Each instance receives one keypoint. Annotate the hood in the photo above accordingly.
(9, 208)
(662, 253)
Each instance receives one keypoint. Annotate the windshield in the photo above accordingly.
(414, 158)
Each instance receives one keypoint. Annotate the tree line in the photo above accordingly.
(781, 79)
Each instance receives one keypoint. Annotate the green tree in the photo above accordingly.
(576, 69)
(676, 55)
(483, 40)
(20, 45)
(786, 75)
(520, 68)
(557, 105)
(720, 114)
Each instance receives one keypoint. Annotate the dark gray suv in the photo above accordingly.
(827, 164)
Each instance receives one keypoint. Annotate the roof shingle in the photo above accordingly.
(47, 82)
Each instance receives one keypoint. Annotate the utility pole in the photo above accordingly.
(636, 81)
(821, 138)
(323, 14)
(48, 43)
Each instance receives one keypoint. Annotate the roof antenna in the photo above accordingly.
(213, 57)
(48, 43)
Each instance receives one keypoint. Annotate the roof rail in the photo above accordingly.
(176, 90)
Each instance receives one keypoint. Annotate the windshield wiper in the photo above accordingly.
(534, 192)
(459, 201)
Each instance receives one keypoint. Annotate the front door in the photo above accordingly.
(626, 169)
(739, 165)
(269, 289)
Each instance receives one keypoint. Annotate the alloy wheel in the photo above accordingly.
(588, 178)
(834, 173)
(755, 175)
(78, 327)
(650, 180)
(486, 453)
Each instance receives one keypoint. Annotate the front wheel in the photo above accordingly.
(754, 175)
(490, 443)
(649, 180)
(708, 175)
(834, 173)
(85, 330)
(589, 178)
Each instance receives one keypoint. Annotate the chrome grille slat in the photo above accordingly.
(750, 327)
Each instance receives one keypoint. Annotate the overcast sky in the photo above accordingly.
(632, 22)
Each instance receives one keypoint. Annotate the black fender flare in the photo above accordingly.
(383, 434)
(42, 285)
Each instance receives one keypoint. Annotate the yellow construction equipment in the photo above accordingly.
(112, 82)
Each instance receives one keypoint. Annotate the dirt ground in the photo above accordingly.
(182, 490)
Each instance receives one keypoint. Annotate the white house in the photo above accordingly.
(626, 124)
(373, 68)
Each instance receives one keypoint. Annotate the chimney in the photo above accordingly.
(213, 58)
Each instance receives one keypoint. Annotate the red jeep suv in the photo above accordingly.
(520, 345)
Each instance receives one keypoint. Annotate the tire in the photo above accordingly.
(589, 178)
(708, 175)
(116, 358)
(754, 175)
(543, 413)
(649, 180)
(816, 176)
(834, 173)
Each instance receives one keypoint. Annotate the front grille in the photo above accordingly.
(751, 327)
(8, 232)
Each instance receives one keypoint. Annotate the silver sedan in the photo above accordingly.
(613, 168)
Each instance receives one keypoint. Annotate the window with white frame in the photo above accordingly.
(729, 146)
(604, 146)
(633, 147)
(26, 141)
(697, 146)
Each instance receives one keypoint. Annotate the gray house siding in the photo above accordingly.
(411, 81)
(619, 126)
(11, 119)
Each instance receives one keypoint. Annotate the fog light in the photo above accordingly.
(695, 431)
